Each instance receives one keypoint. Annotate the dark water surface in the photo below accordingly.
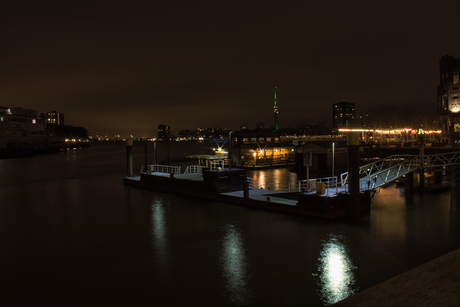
(72, 233)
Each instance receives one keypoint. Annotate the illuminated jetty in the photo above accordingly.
(232, 186)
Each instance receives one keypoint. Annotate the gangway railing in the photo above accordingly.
(164, 169)
(194, 169)
(295, 186)
(390, 168)
(444, 159)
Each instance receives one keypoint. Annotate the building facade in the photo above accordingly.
(261, 149)
(449, 99)
(52, 119)
(164, 132)
(343, 115)
(19, 128)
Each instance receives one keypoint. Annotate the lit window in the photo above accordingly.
(456, 77)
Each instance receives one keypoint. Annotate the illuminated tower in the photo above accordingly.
(275, 112)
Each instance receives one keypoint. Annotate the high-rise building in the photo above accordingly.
(52, 119)
(164, 132)
(449, 99)
(343, 115)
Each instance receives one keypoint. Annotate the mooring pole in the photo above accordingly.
(146, 159)
(230, 150)
(354, 206)
(409, 183)
(155, 153)
(129, 157)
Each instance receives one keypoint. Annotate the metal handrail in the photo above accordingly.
(296, 186)
(193, 169)
(383, 165)
(164, 169)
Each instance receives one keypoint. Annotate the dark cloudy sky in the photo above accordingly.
(127, 66)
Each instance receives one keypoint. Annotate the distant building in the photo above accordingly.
(211, 133)
(185, 134)
(164, 132)
(261, 148)
(343, 115)
(449, 99)
(19, 128)
(260, 126)
(52, 119)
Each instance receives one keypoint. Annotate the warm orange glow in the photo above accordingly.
(354, 130)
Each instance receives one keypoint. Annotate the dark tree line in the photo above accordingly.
(69, 132)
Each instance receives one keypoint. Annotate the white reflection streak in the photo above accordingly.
(336, 276)
(234, 265)
(159, 235)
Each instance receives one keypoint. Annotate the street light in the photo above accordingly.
(230, 150)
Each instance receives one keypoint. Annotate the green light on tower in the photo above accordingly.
(275, 112)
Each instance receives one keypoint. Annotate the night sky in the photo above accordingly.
(126, 67)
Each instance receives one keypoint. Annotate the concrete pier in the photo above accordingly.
(436, 283)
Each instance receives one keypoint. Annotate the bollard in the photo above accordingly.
(129, 157)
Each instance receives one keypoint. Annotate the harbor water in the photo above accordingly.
(71, 233)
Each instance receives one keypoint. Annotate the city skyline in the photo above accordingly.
(128, 68)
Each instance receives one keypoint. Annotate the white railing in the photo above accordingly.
(164, 169)
(378, 173)
(295, 186)
(193, 169)
(384, 170)
(252, 182)
(444, 159)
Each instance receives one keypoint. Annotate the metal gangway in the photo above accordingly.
(383, 171)
(372, 175)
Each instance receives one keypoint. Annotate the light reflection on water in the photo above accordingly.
(234, 264)
(275, 176)
(160, 241)
(336, 271)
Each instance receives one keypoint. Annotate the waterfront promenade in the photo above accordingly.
(436, 283)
